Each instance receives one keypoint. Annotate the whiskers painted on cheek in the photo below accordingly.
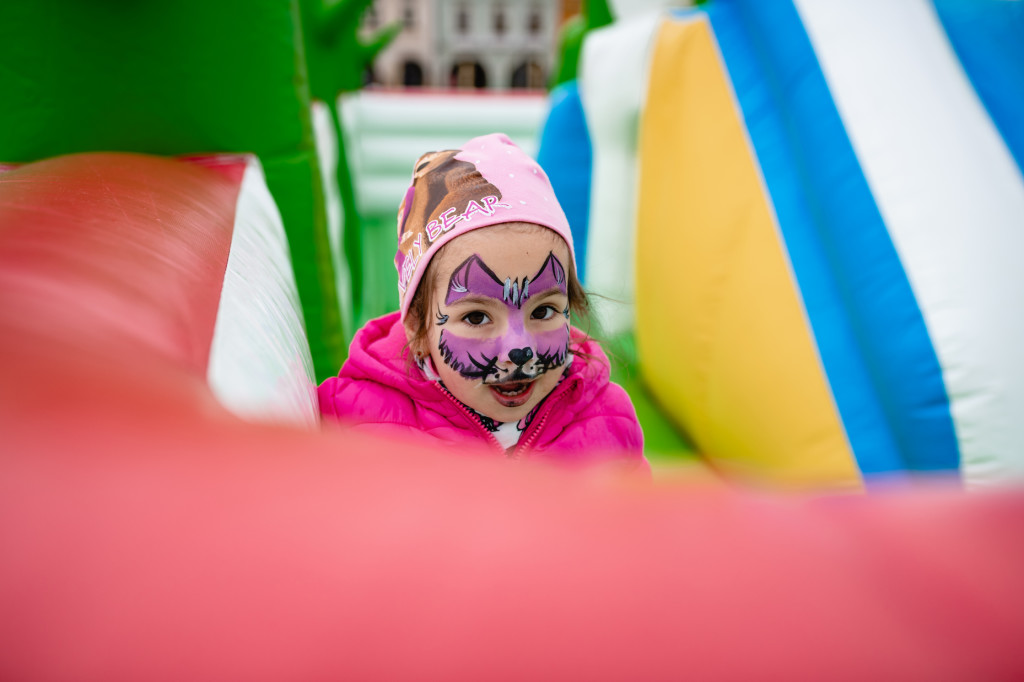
(468, 367)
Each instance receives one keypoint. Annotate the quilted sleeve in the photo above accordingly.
(369, 407)
(606, 429)
(355, 401)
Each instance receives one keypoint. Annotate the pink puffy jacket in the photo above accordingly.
(586, 419)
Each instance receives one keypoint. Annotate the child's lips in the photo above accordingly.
(513, 393)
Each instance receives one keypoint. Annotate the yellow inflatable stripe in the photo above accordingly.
(723, 341)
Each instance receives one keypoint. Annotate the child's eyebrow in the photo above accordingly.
(550, 291)
(475, 299)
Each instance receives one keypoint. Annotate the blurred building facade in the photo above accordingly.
(483, 44)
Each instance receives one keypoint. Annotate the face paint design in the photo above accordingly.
(518, 354)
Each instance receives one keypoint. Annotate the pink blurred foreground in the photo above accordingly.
(147, 533)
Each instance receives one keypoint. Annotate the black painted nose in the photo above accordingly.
(520, 356)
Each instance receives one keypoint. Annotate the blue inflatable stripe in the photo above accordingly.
(988, 37)
(870, 333)
(565, 155)
(761, 102)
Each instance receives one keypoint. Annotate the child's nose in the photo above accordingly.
(520, 356)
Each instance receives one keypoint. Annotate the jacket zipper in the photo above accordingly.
(472, 417)
(538, 423)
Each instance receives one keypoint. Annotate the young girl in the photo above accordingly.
(482, 348)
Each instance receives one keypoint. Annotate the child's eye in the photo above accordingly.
(476, 318)
(544, 312)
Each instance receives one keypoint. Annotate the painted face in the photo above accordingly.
(500, 337)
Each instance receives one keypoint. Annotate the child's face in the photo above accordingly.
(499, 336)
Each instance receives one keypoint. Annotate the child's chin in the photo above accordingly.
(510, 414)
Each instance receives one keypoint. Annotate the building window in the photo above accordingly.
(462, 19)
(528, 75)
(412, 74)
(468, 74)
(409, 14)
(499, 21)
(534, 23)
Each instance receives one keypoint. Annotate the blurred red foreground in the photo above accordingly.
(146, 533)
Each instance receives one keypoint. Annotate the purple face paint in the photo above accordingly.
(531, 353)
(473, 277)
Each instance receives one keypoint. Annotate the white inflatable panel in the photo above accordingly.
(953, 200)
(260, 366)
(387, 131)
(613, 75)
(625, 9)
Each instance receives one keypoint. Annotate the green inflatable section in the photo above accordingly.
(593, 14)
(336, 60)
(184, 77)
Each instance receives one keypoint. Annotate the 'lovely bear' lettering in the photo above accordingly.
(435, 228)
(447, 220)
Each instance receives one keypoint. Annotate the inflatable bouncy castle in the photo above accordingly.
(807, 215)
(173, 240)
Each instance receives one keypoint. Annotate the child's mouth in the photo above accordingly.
(513, 393)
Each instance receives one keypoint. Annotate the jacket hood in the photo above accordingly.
(378, 351)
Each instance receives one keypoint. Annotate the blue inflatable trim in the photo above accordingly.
(566, 156)
(870, 333)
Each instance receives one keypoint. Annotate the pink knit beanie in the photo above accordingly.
(489, 181)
